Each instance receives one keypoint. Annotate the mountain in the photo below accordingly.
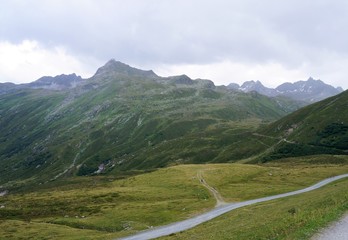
(257, 86)
(6, 87)
(115, 68)
(56, 83)
(320, 128)
(59, 82)
(309, 91)
(124, 119)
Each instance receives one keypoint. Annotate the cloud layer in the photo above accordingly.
(273, 40)
(29, 60)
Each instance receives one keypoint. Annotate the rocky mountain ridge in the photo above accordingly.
(309, 91)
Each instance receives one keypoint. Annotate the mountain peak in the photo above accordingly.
(315, 81)
(311, 90)
(257, 86)
(59, 82)
(181, 79)
(113, 67)
(113, 64)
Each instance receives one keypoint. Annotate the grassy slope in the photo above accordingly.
(321, 128)
(106, 208)
(125, 123)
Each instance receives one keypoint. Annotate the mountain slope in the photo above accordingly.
(124, 119)
(319, 128)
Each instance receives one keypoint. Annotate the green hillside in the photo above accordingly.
(321, 128)
(126, 119)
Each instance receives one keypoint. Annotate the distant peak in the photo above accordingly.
(58, 82)
(112, 60)
(252, 83)
(184, 76)
(116, 67)
(312, 80)
(340, 89)
(181, 79)
(112, 64)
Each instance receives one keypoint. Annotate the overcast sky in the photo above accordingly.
(223, 40)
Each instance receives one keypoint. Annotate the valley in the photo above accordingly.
(127, 150)
(173, 120)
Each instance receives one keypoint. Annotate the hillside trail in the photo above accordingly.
(271, 137)
(268, 150)
(219, 199)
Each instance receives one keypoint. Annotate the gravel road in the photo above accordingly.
(337, 231)
(192, 222)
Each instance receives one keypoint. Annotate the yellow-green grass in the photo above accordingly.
(14, 229)
(235, 182)
(86, 208)
(296, 217)
(119, 207)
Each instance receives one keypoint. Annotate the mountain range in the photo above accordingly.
(309, 91)
(124, 119)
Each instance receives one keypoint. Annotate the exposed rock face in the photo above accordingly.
(114, 67)
(309, 91)
(59, 82)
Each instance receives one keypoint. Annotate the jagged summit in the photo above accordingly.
(257, 86)
(181, 79)
(113, 67)
(309, 91)
(58, 82)
(251, 85)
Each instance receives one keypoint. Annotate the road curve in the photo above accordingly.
(192, 222)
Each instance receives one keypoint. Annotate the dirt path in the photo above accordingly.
(337, 231)
(219, 199)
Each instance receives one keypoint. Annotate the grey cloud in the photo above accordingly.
(190, 31)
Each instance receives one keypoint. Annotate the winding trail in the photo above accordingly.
(219, 199)
(192, 222)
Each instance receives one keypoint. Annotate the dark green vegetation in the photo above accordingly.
(321, 128)
(124, 119)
